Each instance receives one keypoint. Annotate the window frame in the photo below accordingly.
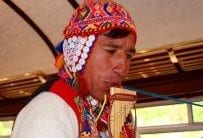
(190, 126)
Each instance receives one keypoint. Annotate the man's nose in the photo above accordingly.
(121, 65)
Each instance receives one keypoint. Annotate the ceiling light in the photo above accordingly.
(142, 51)
(172, 56)
(27, 74)
(157, 73)
(21, 92)
(140, 72)
(42, 79)
(146, 60)
(4, 79)
(144, 76)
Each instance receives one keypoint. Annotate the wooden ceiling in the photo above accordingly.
(169, 59)
(174, 70)
(21, 85)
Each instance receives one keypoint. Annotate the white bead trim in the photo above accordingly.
(75, 50)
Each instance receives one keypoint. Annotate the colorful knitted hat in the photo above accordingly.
(98, 16)
(92, 18)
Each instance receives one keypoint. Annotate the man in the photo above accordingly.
(94, 56)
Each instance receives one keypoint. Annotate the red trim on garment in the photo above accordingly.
(68, 94)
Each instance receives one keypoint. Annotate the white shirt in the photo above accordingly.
(46, 116)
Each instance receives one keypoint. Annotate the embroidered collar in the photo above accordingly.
(90, 109)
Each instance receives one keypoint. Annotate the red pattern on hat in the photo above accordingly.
(98, 16)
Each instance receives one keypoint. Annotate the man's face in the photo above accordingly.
(108, 62)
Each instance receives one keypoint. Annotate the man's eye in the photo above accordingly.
(129, 55)
(111, 51)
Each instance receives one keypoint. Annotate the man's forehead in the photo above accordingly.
(117, 41)
(105, 41)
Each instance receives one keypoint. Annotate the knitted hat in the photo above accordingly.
(98, 16)
(92, 18)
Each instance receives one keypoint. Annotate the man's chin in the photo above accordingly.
(100, 95)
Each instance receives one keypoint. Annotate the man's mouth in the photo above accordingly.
(109, 84)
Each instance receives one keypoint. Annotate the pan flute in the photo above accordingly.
(122, 123)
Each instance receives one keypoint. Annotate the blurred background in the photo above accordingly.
(169, 60)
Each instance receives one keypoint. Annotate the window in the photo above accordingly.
(198, 112)
(162, 115)
(169, 120)
(5, 127)
(189, 134)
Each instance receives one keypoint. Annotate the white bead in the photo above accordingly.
(79, 38)
(65, 47)
(81, 61)
(89, 43)
(73, 69)
(74, 39)
(78, 52)
(86, 49)
(93, 102)
(78, 67)
(72, 45)
(72, 63)
(75, 59)
(68, 63)
(84, 55)
(69, 40)
(65, 42)
(91, 37)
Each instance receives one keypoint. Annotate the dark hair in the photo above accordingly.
(117, 33)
